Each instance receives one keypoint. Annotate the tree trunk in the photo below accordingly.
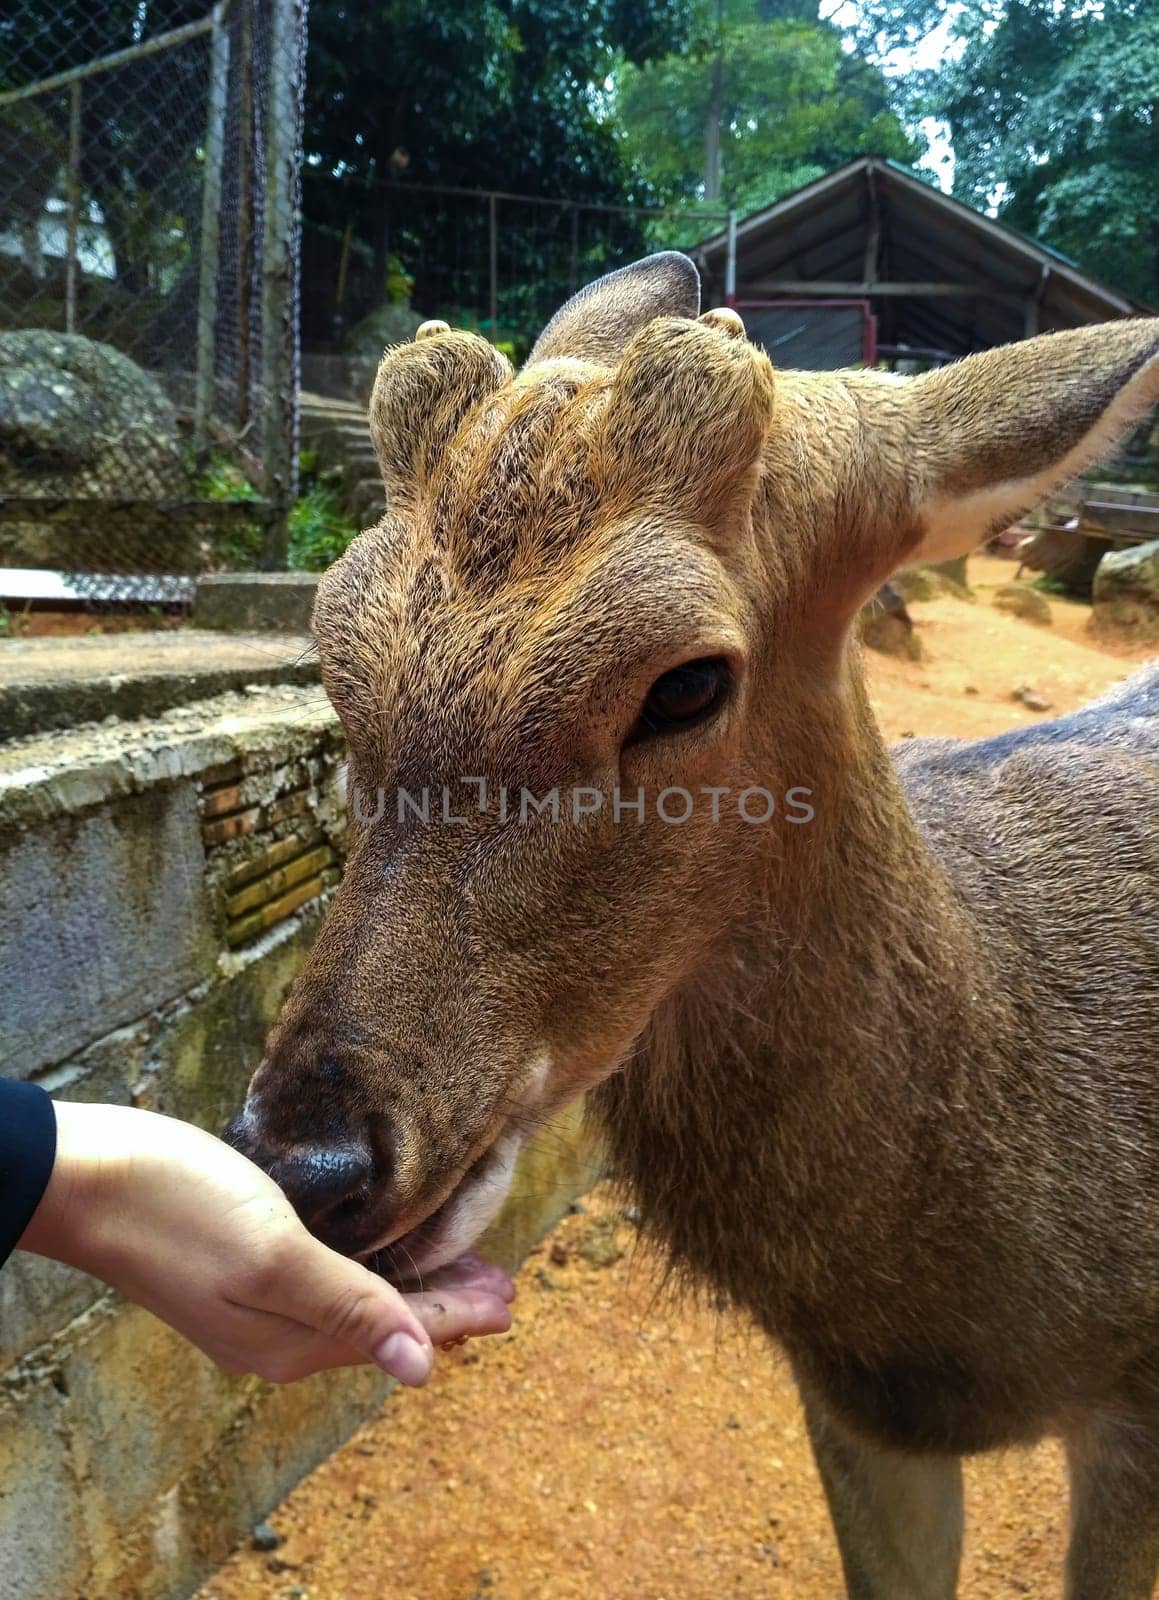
(715, 107)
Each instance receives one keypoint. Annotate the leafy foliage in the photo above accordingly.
(238, 546)
(792, 104)
(320, 528)
(1053, 108)
(478, 93)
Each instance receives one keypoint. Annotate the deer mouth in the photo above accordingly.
(455, 1223)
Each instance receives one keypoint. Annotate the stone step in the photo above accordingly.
(324, 432)
(49, 684)
(339, 431)
(325, 405)
(367, 500)
(357, 470)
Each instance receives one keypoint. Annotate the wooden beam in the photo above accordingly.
(793, 288)
(1034, 303)
(873, 233)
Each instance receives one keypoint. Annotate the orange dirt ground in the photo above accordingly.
(618, 1445)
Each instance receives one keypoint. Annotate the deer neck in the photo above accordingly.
(832, 1027)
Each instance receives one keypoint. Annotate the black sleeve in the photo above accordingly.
(27, 1152)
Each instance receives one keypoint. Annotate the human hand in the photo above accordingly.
(190, 1229)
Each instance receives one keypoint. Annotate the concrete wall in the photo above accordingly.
(162, 882)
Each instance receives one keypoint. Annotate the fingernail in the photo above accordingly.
(404, 1358)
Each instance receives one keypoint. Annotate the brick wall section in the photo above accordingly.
(164, 881)
(273, 841)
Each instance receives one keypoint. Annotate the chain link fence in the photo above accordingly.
(496, 262)
(149, 239)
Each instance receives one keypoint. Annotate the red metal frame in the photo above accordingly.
(868, 317)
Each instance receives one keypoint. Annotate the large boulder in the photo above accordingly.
(363, 345)
(937, 578)
(1019, 600)
(887, 626)
(80, 422)
(1126, 590)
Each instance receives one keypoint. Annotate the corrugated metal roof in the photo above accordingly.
(980, 275)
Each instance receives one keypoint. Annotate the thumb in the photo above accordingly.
(353, 1308)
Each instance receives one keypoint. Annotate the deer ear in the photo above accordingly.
(421, 395)
(598, 323)
(991, 436)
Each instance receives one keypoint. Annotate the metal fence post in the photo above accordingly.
(730, 262)
(243, 155)
(211, 231)
(493, 263)
(279, 283)
(72, 272)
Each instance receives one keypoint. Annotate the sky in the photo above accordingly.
(928, 52)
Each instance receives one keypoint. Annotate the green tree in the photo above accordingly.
(765, 99)
(1053, 110)
(478, 93)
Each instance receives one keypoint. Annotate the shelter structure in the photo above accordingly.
(871, 264)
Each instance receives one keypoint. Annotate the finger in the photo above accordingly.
(283, 1352)
(448, 1314)
(322, 1290)
(472, 1272)
(266, 1344)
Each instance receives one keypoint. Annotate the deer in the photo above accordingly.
(880, 1069)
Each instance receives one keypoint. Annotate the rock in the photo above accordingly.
(365, 342)
(600, 1246)
(1019, 600)
(886, 625)
(265, 1537)
(1030, 698)
(953, 575)
(80, 421)
(1126, 590)
(926, 583)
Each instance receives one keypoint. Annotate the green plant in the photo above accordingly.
(399, 282)
(13, 624)
(237, 546)
(320, 528)
(1048, 585)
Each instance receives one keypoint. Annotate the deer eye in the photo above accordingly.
(682, 698)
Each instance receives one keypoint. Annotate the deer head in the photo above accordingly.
(602, 700)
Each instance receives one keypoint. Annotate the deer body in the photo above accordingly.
(889, 1079)
(951, 1218)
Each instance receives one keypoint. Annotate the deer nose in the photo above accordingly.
(330, 1186)
(327, 1185)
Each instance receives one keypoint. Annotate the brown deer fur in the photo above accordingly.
(888, 1079)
